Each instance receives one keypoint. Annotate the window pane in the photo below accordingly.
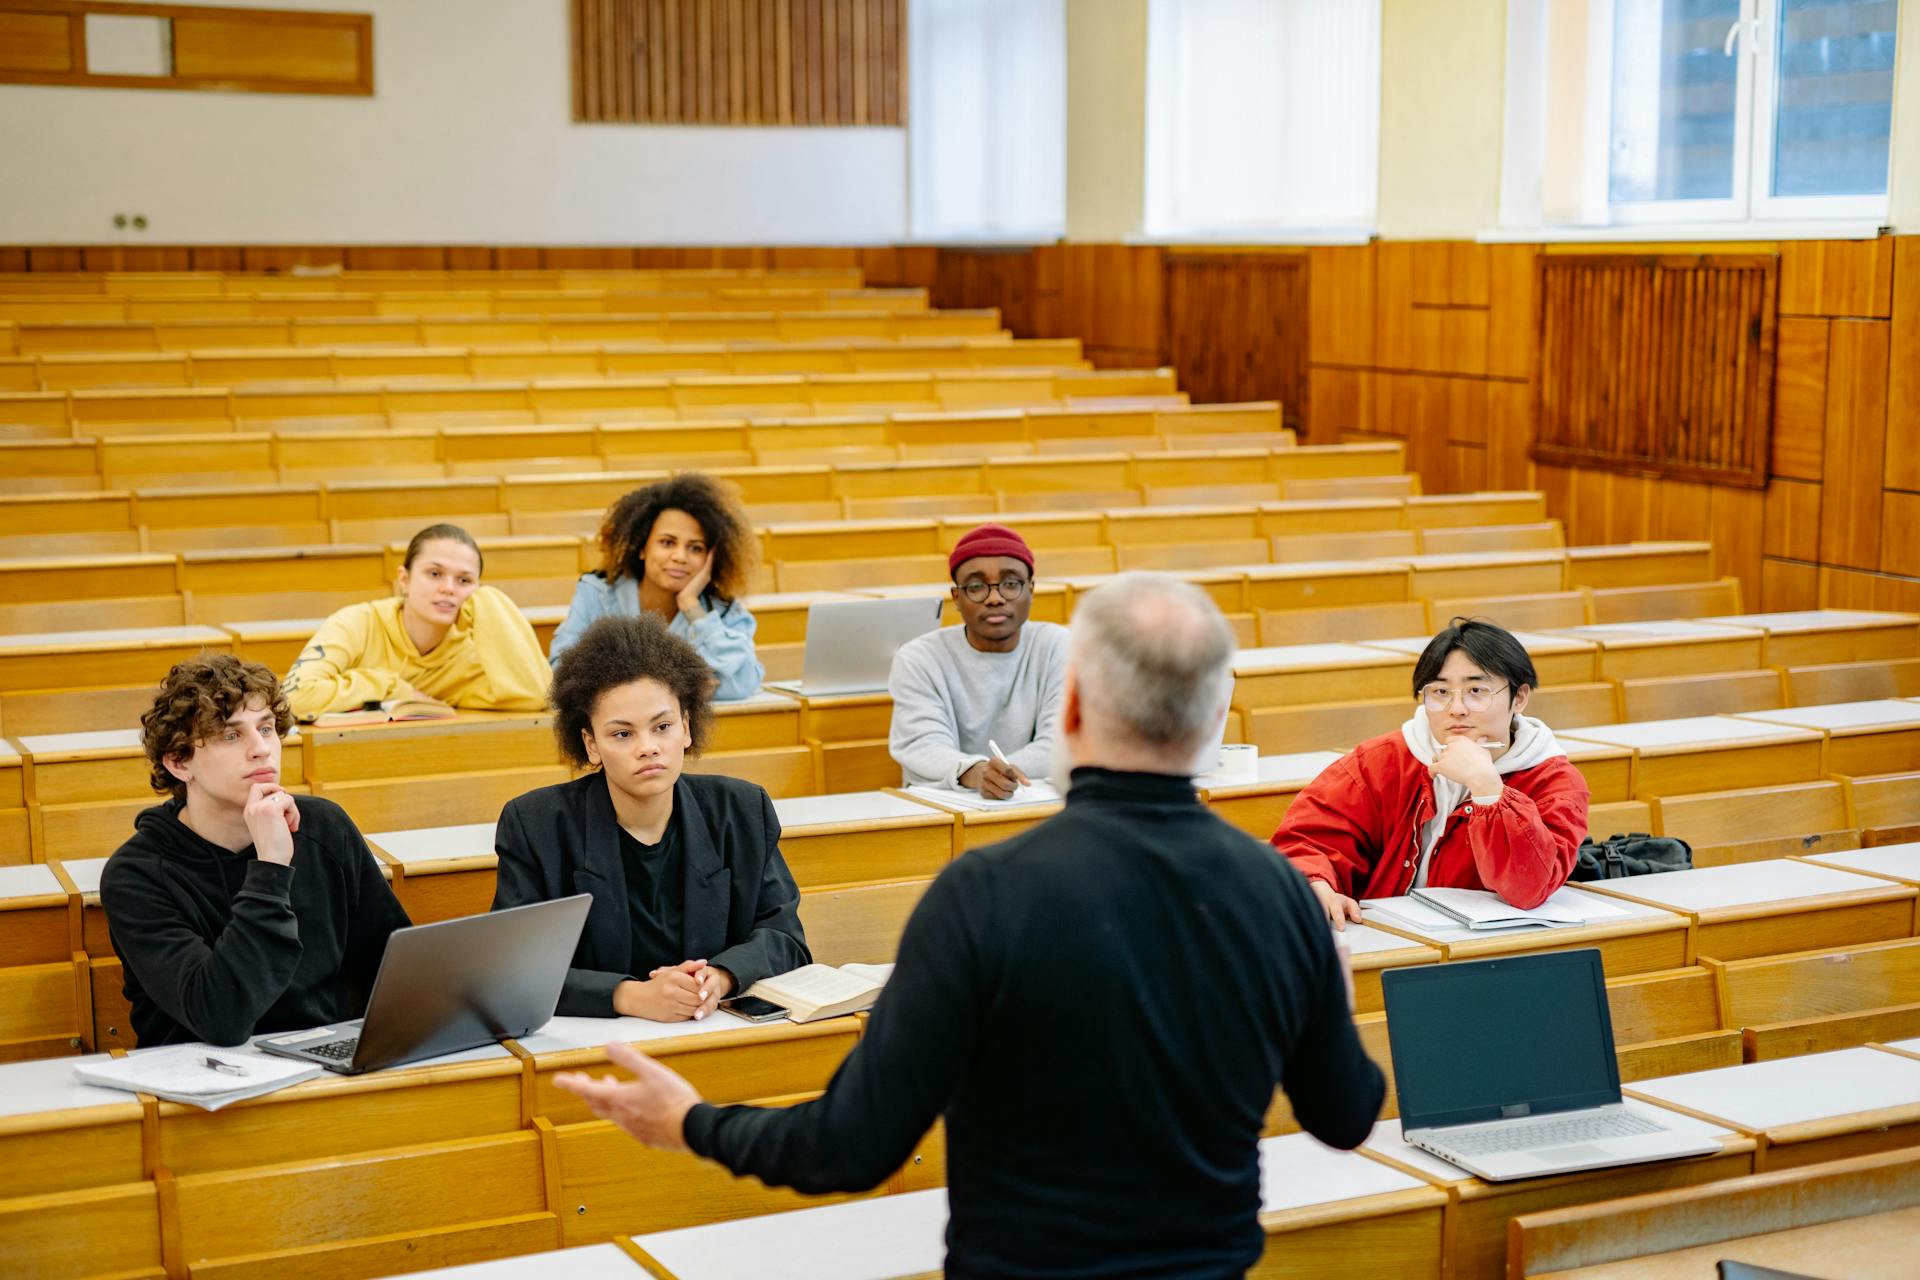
(1834, 108)
(1674, 92)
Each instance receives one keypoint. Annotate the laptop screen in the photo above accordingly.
(1481, 1040)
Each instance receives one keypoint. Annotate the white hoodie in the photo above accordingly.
(1533, 743)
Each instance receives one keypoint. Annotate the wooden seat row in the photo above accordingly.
(121, 284)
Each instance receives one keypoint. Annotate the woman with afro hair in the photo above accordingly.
(681, 550)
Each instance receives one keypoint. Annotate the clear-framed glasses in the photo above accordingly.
(1009, 588)
(1475, 697)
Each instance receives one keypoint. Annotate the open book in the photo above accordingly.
(822, 991)
(181, 1073)
(1484, 909)
(418, 707)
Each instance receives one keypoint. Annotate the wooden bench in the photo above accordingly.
(1816, 636)
(1815, 1001)
(1882, 735)
(1853, 681)
(1713, 693)
(1708, 753)
(1650, 601)
(1754, 823)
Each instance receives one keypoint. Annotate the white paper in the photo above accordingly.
(1031, 793)
(1409, 913)
(1485, 908)
(179, 1072)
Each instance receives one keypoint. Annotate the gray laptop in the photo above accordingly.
(451, 986)
(1507, 1069)
(851, 643)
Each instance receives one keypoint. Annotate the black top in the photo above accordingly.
(739, 908)
(219, 946)
(1101, 1007)
(656, 886)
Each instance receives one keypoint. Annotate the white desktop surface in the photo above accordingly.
(1743, 883)
(429, 844)
(84, 872)
(588, 1262)
(1625, 911)
(760, 700)
(593, 1033)
(1296, 769)
(1681, 732)
(133, 638)
(847, 806)
(1813, 619)
(1490, 559)
(42, 744)
(40, 1085)
(874, 1239)
(1909, 1046)
(1313, 657)
(1365, 940)
(1387, 1139)
(29, 880)
(1816, 1086)
(1899, 860)
(1297, 1170)
(1665, 629)
(1531, 641)
(1842, 715)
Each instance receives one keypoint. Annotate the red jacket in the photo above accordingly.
(1357, 827)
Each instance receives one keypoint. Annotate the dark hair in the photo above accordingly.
(451, 532)
(616, 651)
(629, 524)
(1493, 648)
(194, 702)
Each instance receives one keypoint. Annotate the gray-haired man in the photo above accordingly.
(1100, 1006)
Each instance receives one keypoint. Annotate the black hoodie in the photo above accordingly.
(219, 946)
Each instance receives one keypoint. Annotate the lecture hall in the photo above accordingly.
(876, 639)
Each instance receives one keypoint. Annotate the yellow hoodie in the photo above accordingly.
(490, 660)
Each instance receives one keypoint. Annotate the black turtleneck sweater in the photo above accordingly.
(1101, 1008)
(218, 946)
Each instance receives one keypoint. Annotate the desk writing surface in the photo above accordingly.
(1905, 1046)
(1685, 731)
(1899, 861)
(1297, 1170)
(1654, 631)
(1606, 912)
(1531, 641)
(1388, 1141)
(1742, 884)
(545, 615)
(759, 700)
(588, 1262)
(47, 1084)
(85, 874)
(1313, 657)
(1365, 940)
(1842, 715)
(880, 1238)
(430, 844)
(1794, 620)
(132, 638)
(848, 806)
(48, 744)
(1757, 1096)
(1294, 770)
(32, 880)
(565, 1033)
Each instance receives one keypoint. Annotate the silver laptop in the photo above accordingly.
(1507, 1069)
(851, 643)
(451, 986)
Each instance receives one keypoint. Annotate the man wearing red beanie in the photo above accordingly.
(995, 680)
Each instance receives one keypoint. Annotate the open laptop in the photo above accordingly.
(451, 986)
(1506, 1068)
(850, 643)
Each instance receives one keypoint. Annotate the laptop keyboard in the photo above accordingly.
(336, 1050)
(1539, 1134)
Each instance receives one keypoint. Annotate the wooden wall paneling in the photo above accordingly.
(1799, 397)
(1837, 277)
(1338, 401)
(1856, 589)
(1469, 279)
(1903, 382)
(1854, 459)
(1340, 304)
(284, 257)
(1396, 405)
(1236, 326)
(1630, 504)
(1682, 512)
(1739, 521)
(1900, 533)
(40, 42)
(1393, 342)
(1466, 417)
(55, 258)
(1793, 520)
(402, 258)
(1556, 483)
(1466, 467)
(1462, 333)
(1590, 494)
(131, 257)
(13, 259)
(1510, 436)
(1511, 323)
(1427, 430)
(994, 277)
(1430, 272)
(1787, 585)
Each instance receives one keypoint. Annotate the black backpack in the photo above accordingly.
(1637, 854)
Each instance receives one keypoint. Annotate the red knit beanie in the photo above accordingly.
(990, 540)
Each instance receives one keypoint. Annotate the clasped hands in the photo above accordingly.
(683, 992)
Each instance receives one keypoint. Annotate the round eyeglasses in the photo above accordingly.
(1009, 589)
(1475, 697)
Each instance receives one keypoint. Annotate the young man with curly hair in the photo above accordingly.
(691, 898)
(681, 550)
(237, 907)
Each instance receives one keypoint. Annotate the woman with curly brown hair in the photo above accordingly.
(237, 907)
(681, 550)
(689, 888)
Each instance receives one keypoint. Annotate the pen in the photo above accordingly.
(999, 756)
(230, 1068)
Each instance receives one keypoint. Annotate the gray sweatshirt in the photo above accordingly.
(950, 698)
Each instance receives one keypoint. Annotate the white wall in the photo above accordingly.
(1106, 118)
(1442, 72)
(468, 139)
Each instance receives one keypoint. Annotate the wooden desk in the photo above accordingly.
(1635, 650)
(1773, 907)
(57, 1134)
(1324, 1210)
(440, 872)
(1609, 771)
(861, 836)
(16, 827)
(1226, 587)
(112, 1015)
(470, 742)
(1641, 940)
(977, 827)
(1288, 675)
(1709, 753)
(1485, 573)
(53, 682)
(1374, 951)
(892, 1237)
(44, 996)
(1878, 736)
(1639, 564)
(1478, 1237)
(1819, 1106)
(764, 719)
(1894, 861)
(606, 1261)
(274, 643)
(1805, 637)
(844, 717)
(1256, 806)
(1557, 659)
(1320, 584)
(1873, 1246)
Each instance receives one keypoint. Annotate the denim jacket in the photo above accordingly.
(724, 637)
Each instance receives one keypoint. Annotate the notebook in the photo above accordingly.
(199, 1075)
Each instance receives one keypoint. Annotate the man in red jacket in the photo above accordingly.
(1470, 793)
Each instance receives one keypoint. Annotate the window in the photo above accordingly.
(1263, 116)
(1659, 111)
(987, 119)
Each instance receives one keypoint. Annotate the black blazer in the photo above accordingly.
(741, 909)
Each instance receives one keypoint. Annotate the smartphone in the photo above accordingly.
(754, 1009)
